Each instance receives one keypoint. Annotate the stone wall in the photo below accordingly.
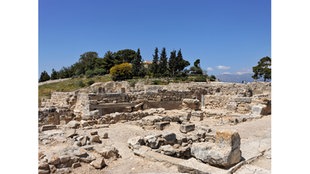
(233, 97)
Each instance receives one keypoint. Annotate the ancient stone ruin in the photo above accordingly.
(193, 126)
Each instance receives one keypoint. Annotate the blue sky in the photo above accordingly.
(227, 36)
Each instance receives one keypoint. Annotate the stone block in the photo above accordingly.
(187, 127)
(243, 99)
(170, 138)
(161, 125)
(48, 127)
(99, 163)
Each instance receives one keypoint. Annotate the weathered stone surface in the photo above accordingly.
(197, 115)
(48, 127)
(94, 133)
(170, 138)
(187, 127)
(71, 133)
(81, 153)
(191, 103)
(150, 120)
(105, 135)
(161, 125)
(40, 171)
(243, 99)
(54, 160)
(76, 165)
(228, 138)
(135, 142)
(224, 153)
(73, 124)
(107, 151)
(99, 163)
(167, 150)
(44, 166)
(95, 139)
(154, 141)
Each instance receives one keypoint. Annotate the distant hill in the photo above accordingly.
(236, 78)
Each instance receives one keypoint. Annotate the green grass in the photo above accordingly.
(81, 82)
(69, 85)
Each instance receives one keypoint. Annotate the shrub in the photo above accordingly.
(81, 84)
(90, 82)
(200, 78)
(121, 72)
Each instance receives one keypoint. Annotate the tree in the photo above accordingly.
(108, 61)
(137, 65)
(196, 69)
(121, 72)
(181, 63)
(44, 77)
(54, 74)
(163, 63)
(262, 69)
(173, 63)
(154, 68)
(125, 55)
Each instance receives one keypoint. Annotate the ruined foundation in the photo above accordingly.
(189, 126)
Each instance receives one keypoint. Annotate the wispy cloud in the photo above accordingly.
(244, 71)
(222, 67)
(226, 73)
(209, 69)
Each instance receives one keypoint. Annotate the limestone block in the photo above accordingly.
(135, 142)
(161, 125)
(187, 127)
(225, 152)
(170, 138)
(48, 127)
(99, 163)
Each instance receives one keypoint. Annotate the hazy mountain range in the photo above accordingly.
(236, 78)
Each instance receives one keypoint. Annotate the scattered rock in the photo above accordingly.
(94, 133)
(48, 127)
(107, 151)
(71, 133)
(187, 127)
(170, 138)
(76, 165)
(99, 163)
(161, 125)
(105, 135)
(95, 139)
(73, 124)
(44, 166)
(135, 142)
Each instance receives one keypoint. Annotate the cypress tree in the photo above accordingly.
(163, 63)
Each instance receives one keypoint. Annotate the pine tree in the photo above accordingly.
(137, 65)
(173, 63)
(44, 77)
(154, 66)
(54, 74)
(163, 63)
(181, 63)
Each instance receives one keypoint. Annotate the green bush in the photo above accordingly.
(200, 78)
(121, 72)
(90, 82)
(81, 84)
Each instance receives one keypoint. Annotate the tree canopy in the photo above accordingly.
(262, 69)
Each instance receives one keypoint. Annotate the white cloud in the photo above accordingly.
(226, 73)
(242, 72)
(222, 67)
(209, 69)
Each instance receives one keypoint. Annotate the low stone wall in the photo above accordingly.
(233, 97)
